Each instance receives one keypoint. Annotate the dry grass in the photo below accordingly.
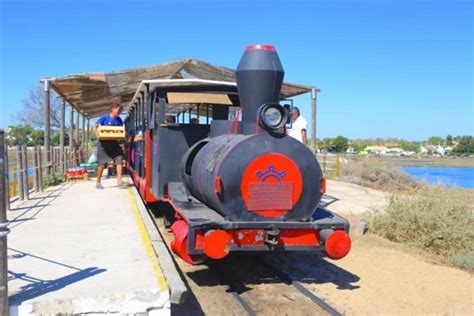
(430, 218)
(376, 174)
(429, 161)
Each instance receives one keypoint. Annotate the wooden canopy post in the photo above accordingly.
(71, 136)
(77, 129)
(313, 118)
(61, 136)
(76, 142)
(87, 138)
(47, 126)
(83, 137)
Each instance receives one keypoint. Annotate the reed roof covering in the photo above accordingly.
(92, 93)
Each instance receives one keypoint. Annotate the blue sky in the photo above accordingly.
(385, 68)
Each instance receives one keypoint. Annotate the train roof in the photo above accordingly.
(91, 93)
(184, 94)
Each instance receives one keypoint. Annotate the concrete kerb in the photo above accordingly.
(146, 303)
(175, 282)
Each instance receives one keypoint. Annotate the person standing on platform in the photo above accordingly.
(109, 150)
(298, 126)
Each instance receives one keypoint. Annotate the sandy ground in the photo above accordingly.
(348, 198)
(378, 276)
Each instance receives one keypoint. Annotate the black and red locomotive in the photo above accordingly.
(234, 184)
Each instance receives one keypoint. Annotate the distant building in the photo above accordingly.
(375, 150)
(408, 153)
(393, 152)
(436, 151)
(423, 150)
(448, 150)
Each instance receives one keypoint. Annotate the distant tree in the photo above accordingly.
(27, 135)
(38, 137)
(325, 144)
(32, 111)
(409, 146)
(379, 142)
(435, 140)
(340, 144)
(55, 139)
(449, 140)
(360, 144)
(19, 135)
(465, 145)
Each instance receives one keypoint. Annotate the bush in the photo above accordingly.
(431, 218)
(378, 175)
(53, 179)
(463, 260)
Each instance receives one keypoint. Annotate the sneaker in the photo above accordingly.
(99, 186)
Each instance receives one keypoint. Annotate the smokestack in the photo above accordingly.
(259, 79)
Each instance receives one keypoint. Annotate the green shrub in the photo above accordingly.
(432, 218)
(463, 260)
(53, 179)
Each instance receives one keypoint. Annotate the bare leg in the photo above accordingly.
(119, 173)
(100, 169)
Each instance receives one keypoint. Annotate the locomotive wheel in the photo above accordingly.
(179, 245)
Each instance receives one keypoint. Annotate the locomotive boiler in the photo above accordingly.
(260, 173)
(238, 183)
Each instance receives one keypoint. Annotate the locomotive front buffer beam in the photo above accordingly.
(202, 233)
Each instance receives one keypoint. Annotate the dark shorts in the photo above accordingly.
(109, 150)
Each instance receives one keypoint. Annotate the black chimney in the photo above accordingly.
(259, 78)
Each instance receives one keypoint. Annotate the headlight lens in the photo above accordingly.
(272, 116)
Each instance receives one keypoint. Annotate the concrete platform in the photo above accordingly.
(76, 250)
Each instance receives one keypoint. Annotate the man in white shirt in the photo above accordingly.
(298, 126)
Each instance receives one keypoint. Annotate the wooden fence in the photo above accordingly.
(330, 165)
(26, 168)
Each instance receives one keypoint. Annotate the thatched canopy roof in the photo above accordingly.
(92, 93)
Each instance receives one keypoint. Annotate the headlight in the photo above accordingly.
(272, 116)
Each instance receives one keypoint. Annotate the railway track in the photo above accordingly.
(287, 284)
(245, 284)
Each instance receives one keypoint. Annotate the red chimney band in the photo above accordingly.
(261, 47)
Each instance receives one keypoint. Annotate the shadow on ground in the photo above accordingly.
(241, 271)
(36, 286)
(29, 209)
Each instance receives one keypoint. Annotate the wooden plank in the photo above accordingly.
(24, 174)
(19, 168)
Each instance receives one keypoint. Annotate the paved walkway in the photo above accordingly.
(75, 249)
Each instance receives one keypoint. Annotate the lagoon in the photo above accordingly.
(461, 177)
